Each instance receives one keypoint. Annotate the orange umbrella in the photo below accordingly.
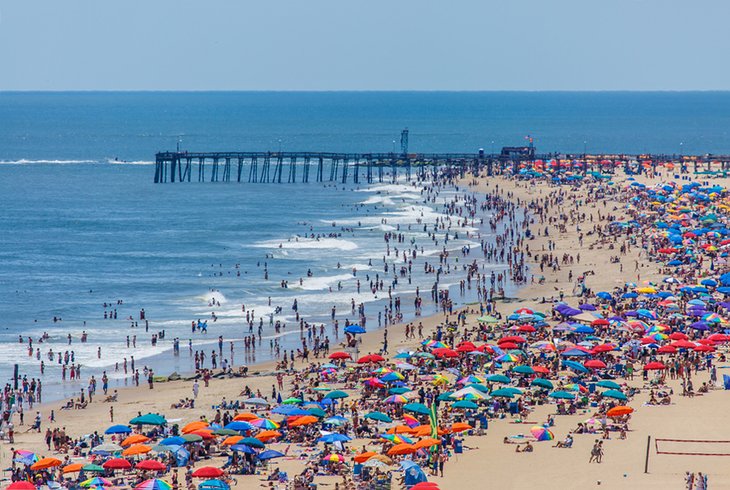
(230, 441)
(266, 435)
(460, 427)
(72, 468)
(428, 442)
(425, 430)
(136, 449)
(193, 426)
(204, 433)
(402, 449)
(619, 411)
(400, 429)
(45, 463)
(362, 457)
(303, 420)
(134, 439)
(245, 417)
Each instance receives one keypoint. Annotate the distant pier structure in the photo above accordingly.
(307, 166)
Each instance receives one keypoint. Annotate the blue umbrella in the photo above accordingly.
(354, 329)
(173, 441)
(289, 410)
(239, 425)
(576, 366)
(335, 437)
(118, 429)
(214, 485)
(243, 448)
(604, 295)
(270, 454)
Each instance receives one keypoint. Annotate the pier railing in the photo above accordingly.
(291, 167)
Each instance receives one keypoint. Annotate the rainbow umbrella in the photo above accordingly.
(333, 458)
(542, 434)
(507, 358)
(267, 424)
(25, 457)
(382, 370)
(576, 387)
(411, 421)
(96, 482)
(440, 379)
(397, 438)
(396, 399)
(712, 318)
(154, 484)
(471, 379)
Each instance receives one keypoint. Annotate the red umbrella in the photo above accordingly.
(667, 349)
(21, 485)
(656, 365)
(683, 344)
(598, 322)
(648, 340)
(207, 472)
(425, 485)
(508, 345)
(604, 348)
(719, 337)
(466, 346)
(678, 336)
(541, 369)
(150, 464)
(370, 358)
(117, 464)
(445, 352)
(526, 328)
(512, 338)
(340, 355)
(704, 348)
(595, 364)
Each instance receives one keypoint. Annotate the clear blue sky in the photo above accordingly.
(364, 45)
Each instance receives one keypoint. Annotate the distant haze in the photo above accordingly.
(364, 45)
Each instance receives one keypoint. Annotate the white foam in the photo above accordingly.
(24, 161)
(301, 243)
(321, 283)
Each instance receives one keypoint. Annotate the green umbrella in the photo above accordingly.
(465, 404)
(487, 319)
(523, 369)
(563, 395)
(317, 412)
(478, 387)
(503, 393)
(426, 355)
(192, 438)
(498, 378)
(445, 396)
(417, 408)
(161, 448)
(148, 419)
(225, 432)
(607, 383)
(615, 394)
(335, 394)
(399, 390)
(542, 383)
(251, 441)
(379, 416)
(93, 467)
(292, 401)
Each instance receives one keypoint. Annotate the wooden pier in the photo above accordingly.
(292, 167)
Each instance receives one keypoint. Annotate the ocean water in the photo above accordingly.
(77, 230)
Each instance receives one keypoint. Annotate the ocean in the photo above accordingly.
(78, 229)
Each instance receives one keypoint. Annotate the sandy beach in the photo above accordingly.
(486, 458)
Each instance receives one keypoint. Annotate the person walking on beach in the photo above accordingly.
(594, 452)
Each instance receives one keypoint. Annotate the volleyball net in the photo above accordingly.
(692, 447)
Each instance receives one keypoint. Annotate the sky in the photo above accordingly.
(364, 45)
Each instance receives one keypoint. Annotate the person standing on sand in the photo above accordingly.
(594, 452)
(111, 414)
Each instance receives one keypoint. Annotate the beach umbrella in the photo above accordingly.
(374, 463)
(396, 399)
(303, 420)
(576, 366)
(153, 484)
(246, 417)
(399, 390)
(118, 429)
(93, 468)
(96, 482)
(136, 449)
(334, 437)
(595, 364)
(417, 408)
(239, 425)
(148, 419)
(333, 395)
(403, 448)
(292, 400)
(465, 404)
(615, 394)
(379, 416)
(503, 393)
(607, 383)
(563, 395)
(267, 435)
(151, 465)
(208, 472)
(243, 448)
(193, 426)
(270, 454)
(117, 464)
(72, 468)
(523, 369)
(654, 366)
(541, 433)
(134, 439)
(256, 401)
(667, 349)
(362, 457)
(426, 443)
(333, 458)
(619, 411)
(498, 378)
(253, 442)
(354, 329)
(460, 427)
(370, 358)
(267, 424)
(173, 441)
(45, 463)
(188, 438)
(214, 484)
(340, 355)
(542, 383)
(425, 485)
(21, 485)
